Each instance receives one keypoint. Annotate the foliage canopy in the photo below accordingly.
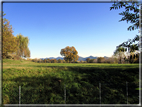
(70, 54)
(17, 46)
(131, 13)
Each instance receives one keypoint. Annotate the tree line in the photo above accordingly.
(111, 60)
(13, 47)
(71, 56)
(88, 60)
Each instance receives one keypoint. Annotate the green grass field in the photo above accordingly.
(44, 83)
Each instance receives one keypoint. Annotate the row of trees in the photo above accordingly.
(102, 60)
(15, 47)
(120, 55)
(112, 59)
(47, 60)
(71, 56)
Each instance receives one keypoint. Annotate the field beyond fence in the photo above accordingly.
(70, 83)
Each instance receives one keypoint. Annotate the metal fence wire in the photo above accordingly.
(105, 94)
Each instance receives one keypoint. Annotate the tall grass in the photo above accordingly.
(43, 83)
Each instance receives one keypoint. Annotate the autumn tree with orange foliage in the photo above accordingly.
(70, 54)
(13, 47)
(9, 42)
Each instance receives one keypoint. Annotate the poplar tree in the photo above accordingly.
(22, 43)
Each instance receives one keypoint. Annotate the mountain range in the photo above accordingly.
(79, 59)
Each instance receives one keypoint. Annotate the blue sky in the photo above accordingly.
(90, 27)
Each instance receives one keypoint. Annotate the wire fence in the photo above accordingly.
(101, 86)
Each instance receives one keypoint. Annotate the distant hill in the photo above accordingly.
(80, 58)
(92, 57)
(84, 59)
(53, 58)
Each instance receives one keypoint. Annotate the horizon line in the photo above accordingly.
(79, 56)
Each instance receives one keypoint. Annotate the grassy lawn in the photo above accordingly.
(44, 83)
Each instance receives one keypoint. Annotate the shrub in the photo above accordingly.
(95, 61)
(91, 60)
(59, 61)
(100, 59)
(87, 60)
(53, 61)
(35, 60)
(44, 60)
(17, 57)
(63, 61)
(48, 60)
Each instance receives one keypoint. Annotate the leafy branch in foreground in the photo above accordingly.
(131, 13)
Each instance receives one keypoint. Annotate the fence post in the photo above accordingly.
(65, 93)
(19, 95)
(127, 90)
(100, 91)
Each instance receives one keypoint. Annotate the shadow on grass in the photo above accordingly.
(82, 87)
